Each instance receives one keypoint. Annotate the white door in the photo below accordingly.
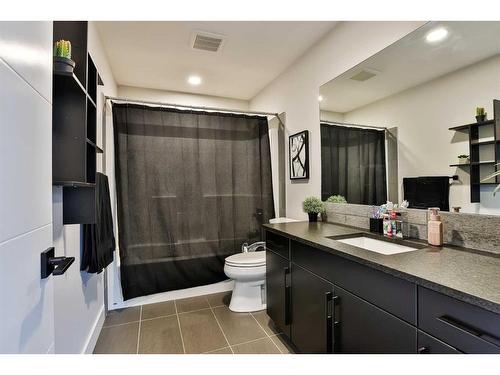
(26, 301)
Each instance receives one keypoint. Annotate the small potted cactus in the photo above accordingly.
(463, 159)
(62, 57)
(480, 114)
(313, 206)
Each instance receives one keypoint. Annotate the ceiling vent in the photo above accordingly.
(364, 75)
(205, 41)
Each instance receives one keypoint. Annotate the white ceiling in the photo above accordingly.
(412, 61)
(159, 55)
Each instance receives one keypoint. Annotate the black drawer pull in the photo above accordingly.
(468, 329)
(288, 295)
(336, 324)
(329, 321)
(423, 350)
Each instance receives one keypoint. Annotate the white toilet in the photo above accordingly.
(248, 270)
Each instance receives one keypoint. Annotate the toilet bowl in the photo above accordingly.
(248, 270)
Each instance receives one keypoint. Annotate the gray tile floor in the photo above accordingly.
(192, 325)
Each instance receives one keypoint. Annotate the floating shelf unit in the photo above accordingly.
(74, 127)
(478, 168)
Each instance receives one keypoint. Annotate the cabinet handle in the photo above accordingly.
(329, 321)
(468, 329)
(288, 292)
(423, 350)
(336, 324)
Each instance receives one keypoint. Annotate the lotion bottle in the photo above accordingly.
(434, 228)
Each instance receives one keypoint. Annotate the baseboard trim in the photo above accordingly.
(94, 335)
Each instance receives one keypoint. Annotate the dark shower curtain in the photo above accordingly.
(353, 164)
(192, 186)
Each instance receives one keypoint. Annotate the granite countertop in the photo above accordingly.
(468, 275)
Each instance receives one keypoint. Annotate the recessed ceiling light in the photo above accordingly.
(436, 35)
(320, 98)
(194, 80)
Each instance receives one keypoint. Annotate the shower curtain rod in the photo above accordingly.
(354, 125)
(193, 107)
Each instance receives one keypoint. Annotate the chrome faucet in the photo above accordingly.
(246, 248)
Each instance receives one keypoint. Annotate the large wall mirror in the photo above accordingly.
(394, 126)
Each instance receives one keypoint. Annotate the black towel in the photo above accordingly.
(425, 192)
(98, 238)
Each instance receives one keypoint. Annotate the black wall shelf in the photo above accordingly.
(74, 127)
(476, 166)
(474, 124)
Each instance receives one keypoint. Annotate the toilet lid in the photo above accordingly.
(251, 259)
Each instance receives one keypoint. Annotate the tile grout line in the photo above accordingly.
(241, 343)
(276, 345)
(217, 320)
(248, 342)
(216, 350)
(120, 324)
(139, 332)
(180, 329)
(158, 317)
(187, 312)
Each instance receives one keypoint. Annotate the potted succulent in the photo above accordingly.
(313, 206)
(336, 199)
(62, 57)
(480, 114)
(463, 159)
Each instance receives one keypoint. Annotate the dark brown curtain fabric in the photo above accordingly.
(192, 186)
(353, 164)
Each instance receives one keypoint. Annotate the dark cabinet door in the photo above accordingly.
(364, 328)
(312, 312)
(278, 291)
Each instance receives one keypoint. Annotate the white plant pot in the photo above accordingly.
(463, 161)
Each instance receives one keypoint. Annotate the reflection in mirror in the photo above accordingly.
(394, 126)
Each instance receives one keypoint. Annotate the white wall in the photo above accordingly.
(181, 98)
(423, 115)
(296, 90)
(27, 302)
(79, 296)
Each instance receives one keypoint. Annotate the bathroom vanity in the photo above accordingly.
(329, 296)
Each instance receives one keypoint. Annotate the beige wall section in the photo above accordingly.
(423, 115)
(79, 296)
(296, 90)
(331, 116)
(181, 98)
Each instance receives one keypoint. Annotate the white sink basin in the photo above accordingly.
(378, 246)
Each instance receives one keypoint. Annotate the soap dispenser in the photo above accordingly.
(435, 228)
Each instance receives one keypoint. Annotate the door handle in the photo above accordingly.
(288, 297)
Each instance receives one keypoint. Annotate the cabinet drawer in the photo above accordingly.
(466, 327)
(363, 328)
(430, 345)
(390, 293)
(278, 244)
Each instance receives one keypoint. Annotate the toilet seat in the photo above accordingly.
(252, 259)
